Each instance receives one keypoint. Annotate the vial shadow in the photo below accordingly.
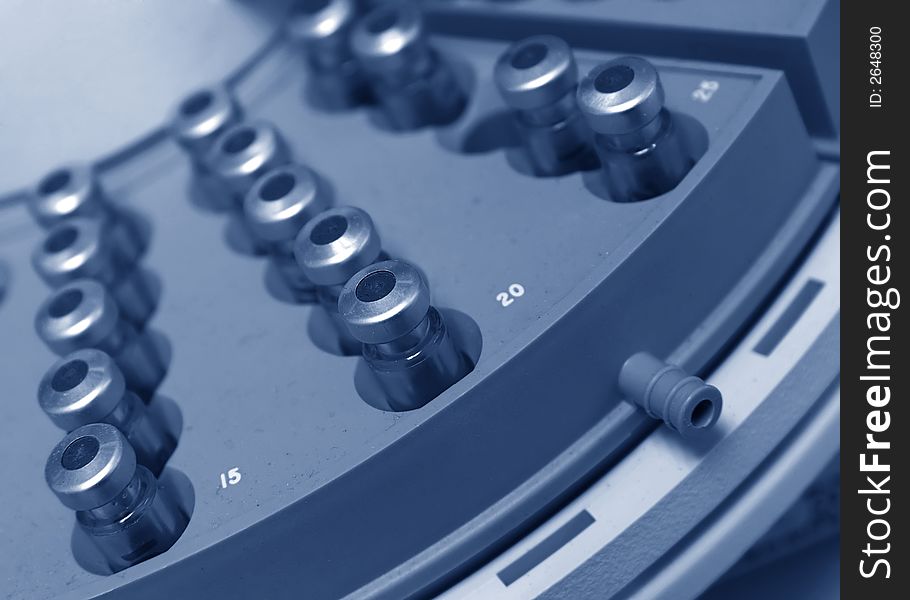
(150, 284)
(240, 239)
(278, 288)
(324, 334)
(90, 557)
(152, 352)
(316, 97)
(137, 225)
(162, 409)
(490, 132)
(464, 78)
(208, 194)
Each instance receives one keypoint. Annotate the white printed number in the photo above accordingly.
(705, 91)
(516, 290)
(232, 477)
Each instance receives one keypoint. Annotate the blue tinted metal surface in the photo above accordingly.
(336, 494)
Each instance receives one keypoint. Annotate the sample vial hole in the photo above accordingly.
(196, 103)
(79, 453)
(375, 286)
(60, 240)
(702, 414)
(69, 375)
(328, 230)
(55, 182)
(529, 56)
(613, 79)
(277, 187)
(239, 141)
(64, 303)
(382, 20)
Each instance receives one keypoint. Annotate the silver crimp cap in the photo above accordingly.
(201, 116)
(321, 26)
(75, 316)
(82, 387)
(384, 301)
(621, 96)
(90, 466)
(74, 249)
(244, 151)
(282, 201)
(536, 72)
(390, 41)
(68, 191)
(336, 244)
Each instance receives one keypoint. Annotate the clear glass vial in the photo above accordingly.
(118, 502)
(405, 339)
(642, 152)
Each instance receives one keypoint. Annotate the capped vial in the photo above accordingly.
(642, 152)
(87, 386)
(277, 207)
(323, 29)
(330, 249)
(537, 77)
(411, 81)
(82, 314)
(405, 340)
(198, 120)
(244, 152)
(78, 248)
(118, 502)
(73, 191)
(68, 191)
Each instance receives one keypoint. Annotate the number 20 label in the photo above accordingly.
(516, 290)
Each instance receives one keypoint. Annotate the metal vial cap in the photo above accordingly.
(76, 315)
(82, 387)
(621, 96)
(90, 466)
(201, 116)
(384, 301)
(536, 72)
(282, 201)
(65, 192)
(336, 244)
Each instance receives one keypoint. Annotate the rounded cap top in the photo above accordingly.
(535, 72)
(78, 315)
(336, 244)
(621, 96)
(82, 387)
(201, 116)
(68, 191)
(322, 24)
(384, 301)
(282, 201)
(390, 40)
(73, 249)
(245, 150)
(90, 466)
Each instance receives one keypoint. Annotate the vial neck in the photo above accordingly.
(551, 114)
(640, 138)
(409, 340)
(125, 502)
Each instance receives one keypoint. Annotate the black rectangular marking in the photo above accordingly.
(789, 317)
(546, 548)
